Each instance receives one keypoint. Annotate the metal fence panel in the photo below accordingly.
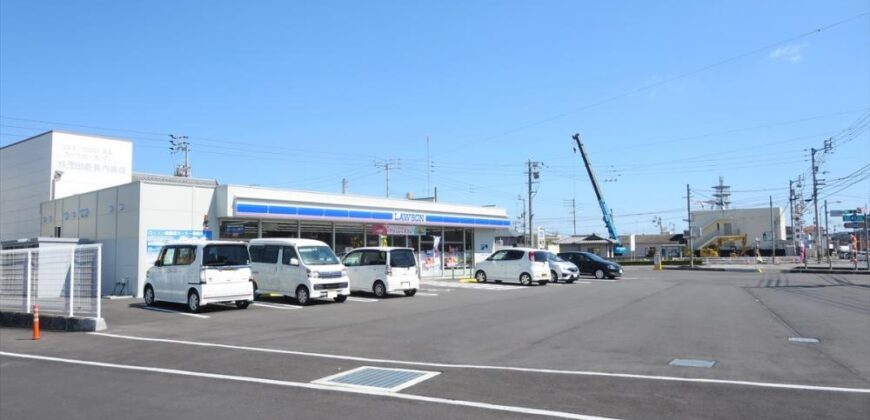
(62, 280)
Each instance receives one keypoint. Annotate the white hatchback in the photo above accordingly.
(381, 270)
(525, 265)
(200, 273)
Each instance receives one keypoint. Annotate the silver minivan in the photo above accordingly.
(304, 269)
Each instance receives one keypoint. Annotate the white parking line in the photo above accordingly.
(359, 299)
(169, 311)
(277, 305)
(490, 367)
(426, 294)
(249, 379)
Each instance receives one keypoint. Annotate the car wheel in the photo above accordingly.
(410, 292)
(379, 289)
(243, 304)
(193, 301)
(149, 296)
(341, 298)
(302, 296)
(599, 274)
(554, 276)
(480, 276)
(525, 279)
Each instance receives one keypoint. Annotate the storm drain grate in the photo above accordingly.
(377, 378)
(803, 340)
(693, 363)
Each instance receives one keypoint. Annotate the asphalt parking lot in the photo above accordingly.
(584, 350)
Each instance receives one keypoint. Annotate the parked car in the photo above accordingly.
(525, 265)
(201, 273)
(304, 269)
(560, 269)
(382, 270)
(590, 263)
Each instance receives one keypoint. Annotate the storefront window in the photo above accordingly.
(454, 250)
(430, 253)
(347, 237)
(280, 229)
(321, 231)
(238, 229)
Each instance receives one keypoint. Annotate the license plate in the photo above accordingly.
(545, 275)
(406, 284)
(331, 294)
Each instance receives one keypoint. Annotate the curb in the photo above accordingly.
(52, 322)
(823, 271)
(732, 270)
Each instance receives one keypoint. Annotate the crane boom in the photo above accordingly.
(608, 219)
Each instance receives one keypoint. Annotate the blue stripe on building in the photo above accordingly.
(361, 215)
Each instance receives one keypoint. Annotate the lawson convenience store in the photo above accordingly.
(447, 238)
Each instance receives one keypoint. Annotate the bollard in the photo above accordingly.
(35, 322)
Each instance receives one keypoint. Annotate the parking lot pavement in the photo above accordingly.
(598, 348)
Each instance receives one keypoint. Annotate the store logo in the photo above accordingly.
(408, 217)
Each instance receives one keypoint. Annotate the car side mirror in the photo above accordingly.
(158, 263)
(294, 261)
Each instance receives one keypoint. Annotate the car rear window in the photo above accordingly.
(541, 256)
(221, 255)
(402, 258)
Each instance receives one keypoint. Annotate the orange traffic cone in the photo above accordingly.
(35, 322)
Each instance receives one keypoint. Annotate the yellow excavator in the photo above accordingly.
(713, 250)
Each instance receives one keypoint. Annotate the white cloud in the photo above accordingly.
(789, 52)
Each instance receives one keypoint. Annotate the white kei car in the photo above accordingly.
(200, 273)
(525, 265)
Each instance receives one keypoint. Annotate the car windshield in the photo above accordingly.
(317, 255)
(556, 258)
(222, 255)
(402, 258)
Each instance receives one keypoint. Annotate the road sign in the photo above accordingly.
(836, 213)
(853, 225)
(853, 217)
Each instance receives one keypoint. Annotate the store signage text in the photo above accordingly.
(408, 217)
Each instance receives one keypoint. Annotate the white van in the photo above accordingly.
(301, 268)
(200, 273)
(381, 270)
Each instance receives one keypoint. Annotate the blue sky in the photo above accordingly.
(301, 94)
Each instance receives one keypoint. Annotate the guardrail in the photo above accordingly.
(61, 280)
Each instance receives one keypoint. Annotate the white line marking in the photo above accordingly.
(314, 386)
(582, 281)
(608, 281)
(426, 294)
(359, 299)
(277, 305)
(485, 367)
(169, 311)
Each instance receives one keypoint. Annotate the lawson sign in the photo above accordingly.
(357, 215)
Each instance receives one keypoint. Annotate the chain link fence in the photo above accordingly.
(62, 281)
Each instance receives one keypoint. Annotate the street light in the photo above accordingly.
(54, 179)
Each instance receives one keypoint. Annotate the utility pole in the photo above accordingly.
(689, 210)
(533, 173)
(573, 204)
(816, 182)
(428, 170)
(387, 165)
(827, 238)
(772, 232)
(523, 215)
(180, 144)
(791, 216)
(344, 185)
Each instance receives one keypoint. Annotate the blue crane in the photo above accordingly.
(618, 249)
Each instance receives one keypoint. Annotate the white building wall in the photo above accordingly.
(25, 179)
(88, 163)
(754, 223)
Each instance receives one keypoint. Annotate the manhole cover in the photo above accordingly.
(693, 363)
(803, 340)
(376, 378)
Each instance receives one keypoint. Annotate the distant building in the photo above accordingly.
(588, 243)
(648, 245)
(739, 230)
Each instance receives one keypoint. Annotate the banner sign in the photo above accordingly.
(397, 230)
(156, 238)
